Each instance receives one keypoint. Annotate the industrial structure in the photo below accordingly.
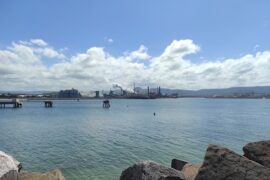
(69, 93)
(119, 92)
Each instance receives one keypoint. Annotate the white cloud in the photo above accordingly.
(140, 54)
(110, 40)
(38, 42)
(180, 48)
(49, 52)
(24, 67)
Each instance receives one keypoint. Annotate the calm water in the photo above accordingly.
(88, 142)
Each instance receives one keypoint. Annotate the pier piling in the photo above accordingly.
(48, 104)
(106, 104)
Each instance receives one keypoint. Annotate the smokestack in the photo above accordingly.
(148, 90)
(97, 94)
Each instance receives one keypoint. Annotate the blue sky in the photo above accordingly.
(222, 30)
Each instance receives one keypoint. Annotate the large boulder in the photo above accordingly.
(51, 175)
(190, 171)
(223, 164)
(149, 170)
(178, 164)
(259, 152)
(9, 167)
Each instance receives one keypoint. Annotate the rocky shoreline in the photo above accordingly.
(10, 169)
(219, 164)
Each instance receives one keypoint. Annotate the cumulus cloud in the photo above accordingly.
(23, 66)
(180, 48)
(38, 42)
(140, 54)
(49, 52)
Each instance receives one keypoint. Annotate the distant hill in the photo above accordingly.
(260, 90)
(28, 92)
(220, 92)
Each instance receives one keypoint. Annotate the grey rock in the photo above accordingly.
(190, 171)
(51, 175)
(9, 167)
(223, 164)
(149, 170)
(178, 164)
(259, 152)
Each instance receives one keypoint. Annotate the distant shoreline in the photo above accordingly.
(102, 98)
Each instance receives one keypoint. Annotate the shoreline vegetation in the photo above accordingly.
(219, 164)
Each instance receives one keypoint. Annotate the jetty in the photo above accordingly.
(15, 103)
(48, 104)
(106, 104)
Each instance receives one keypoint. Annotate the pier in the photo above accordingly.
(15, 103)
(106, 104)
(48, 104)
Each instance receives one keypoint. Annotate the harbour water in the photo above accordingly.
(86, 141)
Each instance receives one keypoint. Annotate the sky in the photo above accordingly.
(91, 45)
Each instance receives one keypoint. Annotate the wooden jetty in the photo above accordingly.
(48, 104)
(15, 103)
(106, 104)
